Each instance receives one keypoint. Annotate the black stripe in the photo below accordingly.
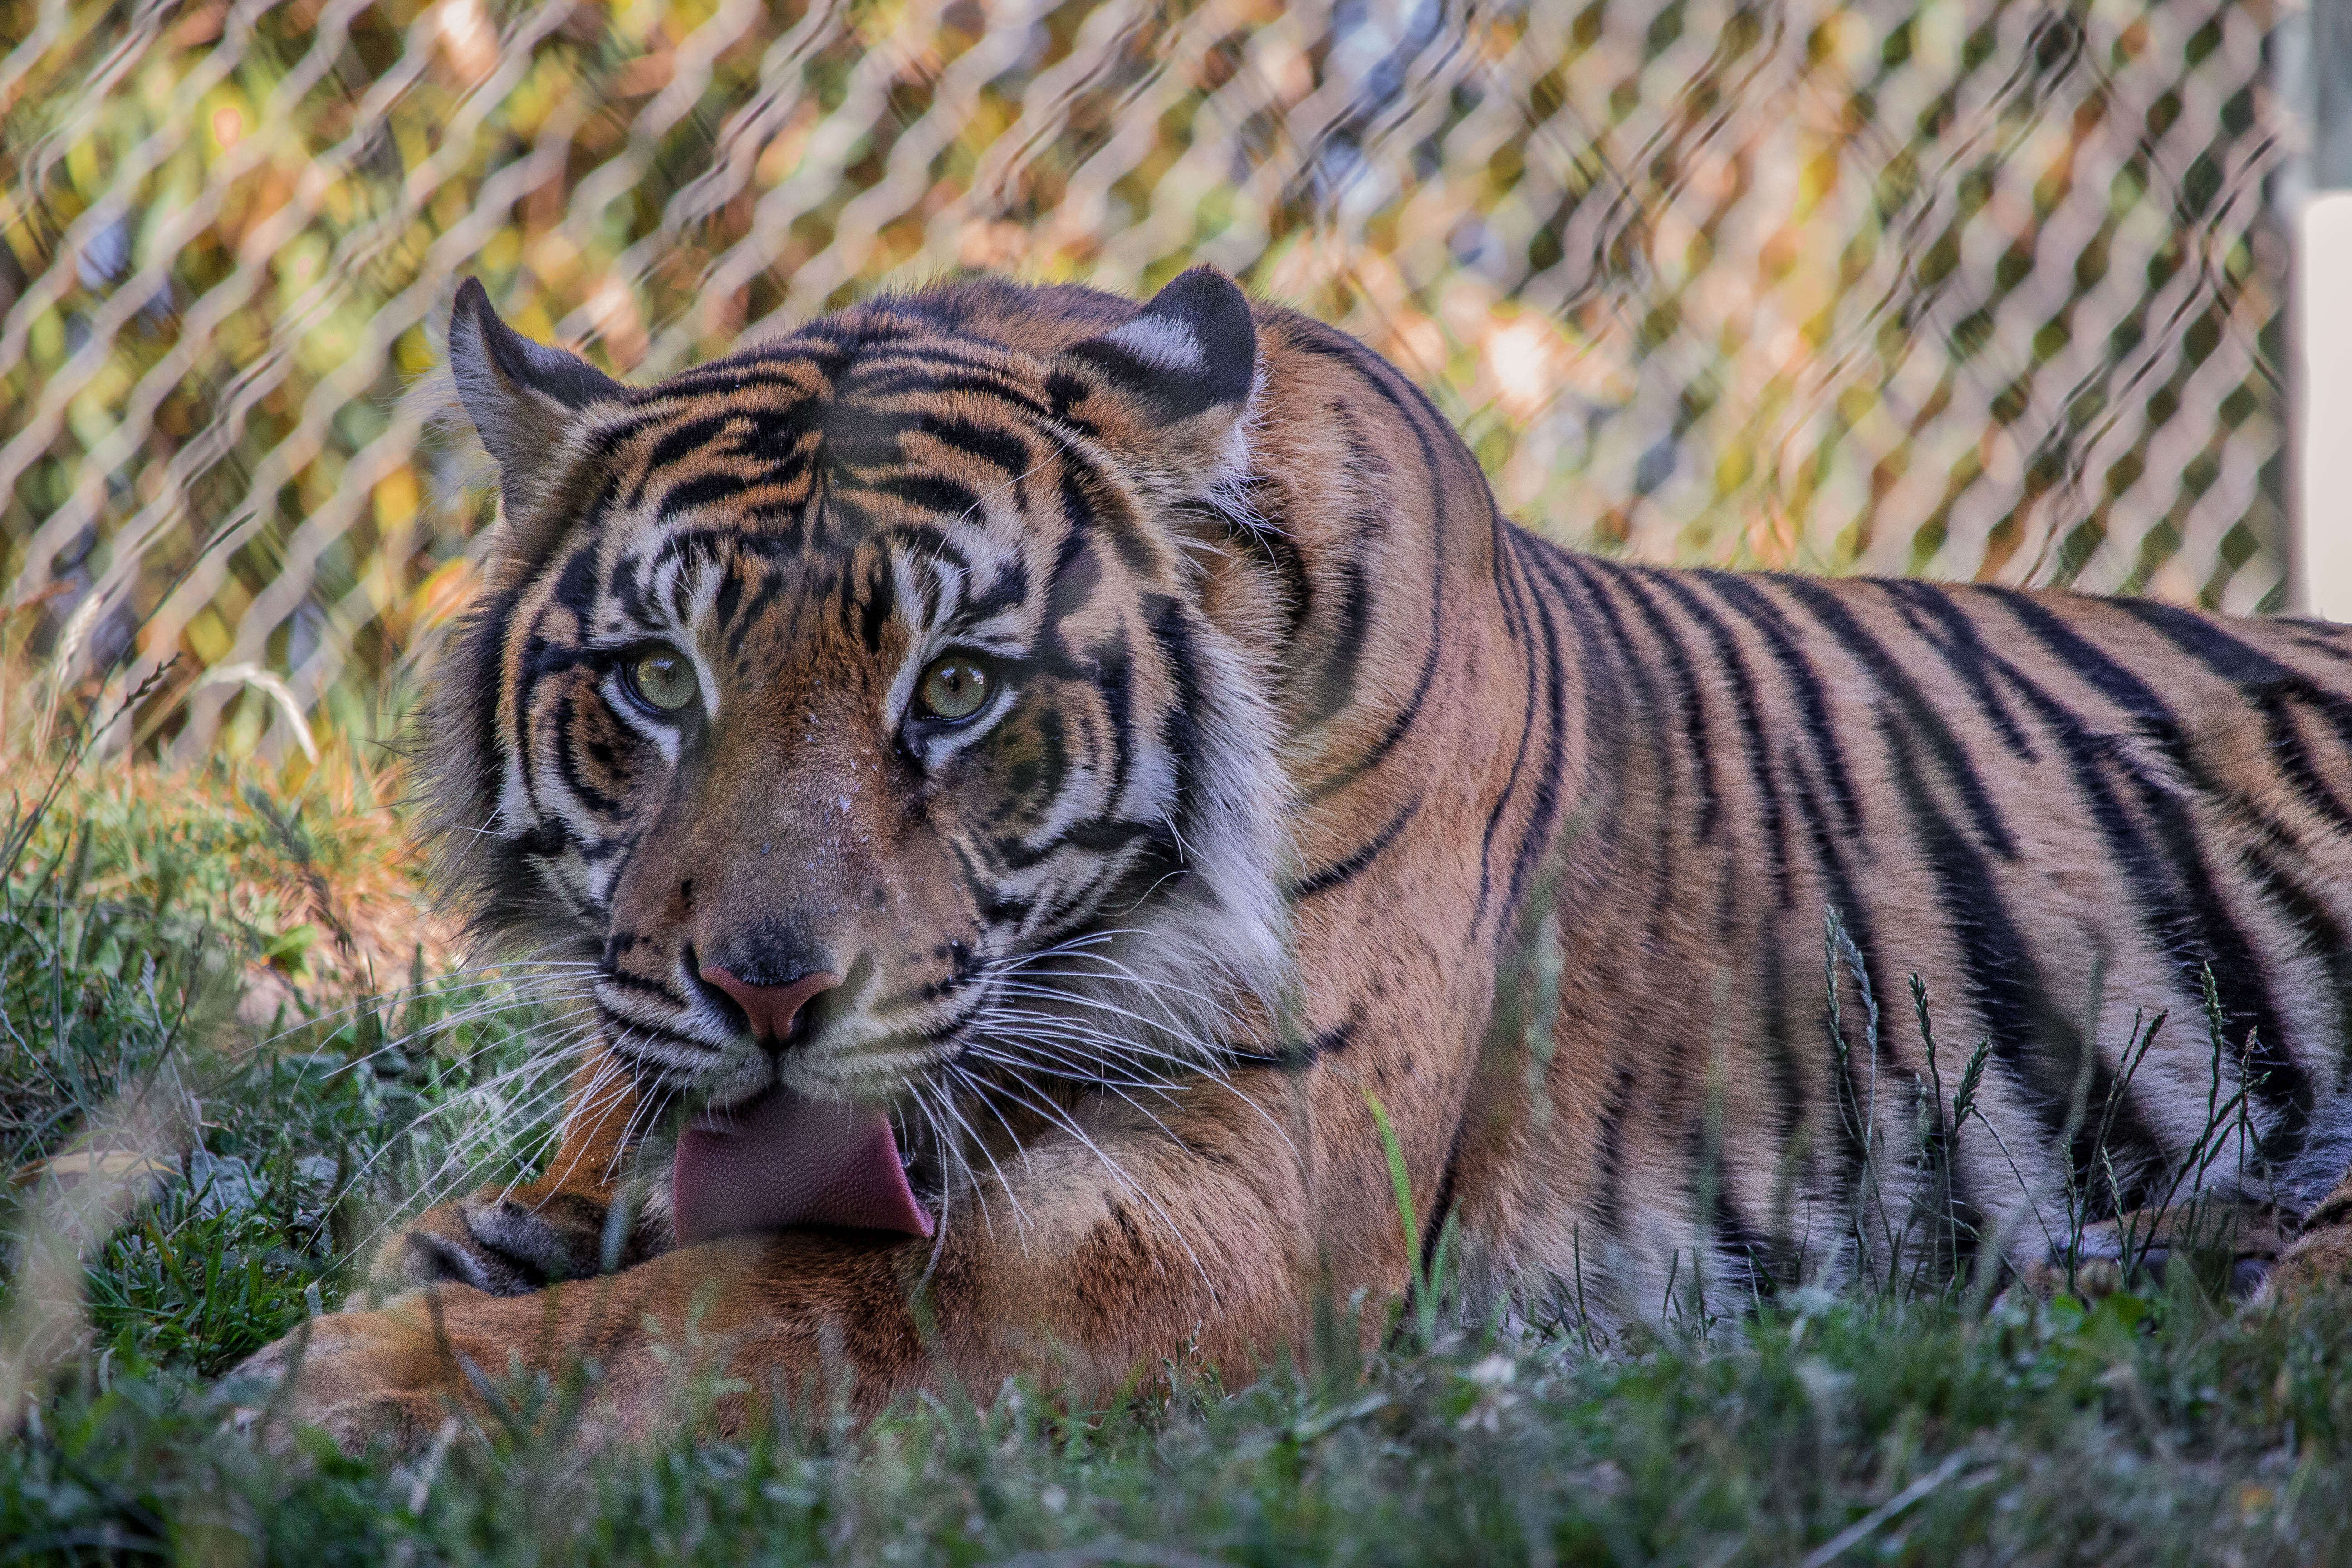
(2318, 637)
(1644, 733)
(1535, 671)
(933, 492)
(1346, 871)
(728, 600)
(1862, 1067)
(567, 765)
(1604, 714)
(2284, 741)
(1411, 711)
(1115, 679)
(1780, 1046)
(2038, 1043)
(1749, 712)
(2323, 937)
(1007, 590)
(2240, 664)
(1092, 502)
(1609, 1157)
(630, 1029)
(1617, 654)
(1037, 783)
(1735, 1238)
(1331, 1042)
(881, 598)
(1260, 530)
(996, 445)
(1804, 684)
(1097, 835)
(677, 444)
(1335, 673)
(2270, 686)
(934, 377)
(1328, 344)
(1689, 703)
(1440, 1207)
(1925, 718)
(638, 982)
(1179, 729)
(2178, 902)
(1963, 653)
(1605, 724)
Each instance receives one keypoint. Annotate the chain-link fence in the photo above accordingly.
(1969, 288)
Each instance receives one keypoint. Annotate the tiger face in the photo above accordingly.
(874, 709)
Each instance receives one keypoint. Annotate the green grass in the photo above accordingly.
(2150, 1427)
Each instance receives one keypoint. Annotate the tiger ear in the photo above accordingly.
(520, 395)
(1187, 360)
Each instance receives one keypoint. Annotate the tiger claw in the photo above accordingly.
(506, 1246)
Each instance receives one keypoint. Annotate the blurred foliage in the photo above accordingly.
(282, 1118)
(1962, 287)
(222, 994)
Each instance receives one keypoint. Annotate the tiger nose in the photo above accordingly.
(770, 1008)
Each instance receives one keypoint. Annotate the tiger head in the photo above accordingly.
(876, 714)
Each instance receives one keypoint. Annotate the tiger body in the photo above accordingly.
(1309, 790)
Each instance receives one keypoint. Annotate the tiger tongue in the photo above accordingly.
(785, 1159)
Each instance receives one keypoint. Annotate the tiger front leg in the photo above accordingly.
(1093, 1282)
(508, 1240)
(393, 1377)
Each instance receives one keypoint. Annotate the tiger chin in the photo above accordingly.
(1035, 780)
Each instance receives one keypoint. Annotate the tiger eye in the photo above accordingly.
(954, 688)
(665, 677)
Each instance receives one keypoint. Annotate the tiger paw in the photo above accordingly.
(509, 1244)
(2229, 1248)
(2320, 1258)
(380, 1380)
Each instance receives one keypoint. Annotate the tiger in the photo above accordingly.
(1087, 838)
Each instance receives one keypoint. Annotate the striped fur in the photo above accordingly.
(1316, 782)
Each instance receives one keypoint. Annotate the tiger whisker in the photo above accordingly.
(1100, 1005)
(564, 1043)
(948, 1147)
(1085, 948)
(1142, 1057)
(604, 1090)
(1125, 1052)
(1014, 1052)
(322, 1020)
(535, 1065)
(1020, 1216)
(1087, 1080)
(654, 1102)
(1085, 1028)
(478, 1132)
(438, 1184)
(1056, 1116)
(423, 1035)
